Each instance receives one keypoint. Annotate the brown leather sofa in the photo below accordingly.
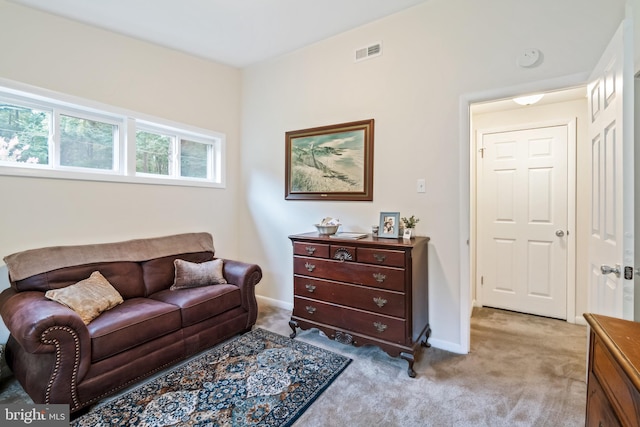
(59, 359)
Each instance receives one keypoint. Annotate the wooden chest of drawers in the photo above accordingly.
(613, 386)
(364, 291)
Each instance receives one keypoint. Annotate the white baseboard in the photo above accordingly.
(447, 346)
(580, 321)
(274, 302)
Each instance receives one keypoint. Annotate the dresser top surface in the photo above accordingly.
(622, 338)
(369, 240)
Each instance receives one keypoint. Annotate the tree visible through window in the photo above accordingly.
(87, 143)
(153, 153)
(194, 159)
(24, 134)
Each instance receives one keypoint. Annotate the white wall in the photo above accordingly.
(633, 13)
(433, 55)
(49, 52)
(575, 109)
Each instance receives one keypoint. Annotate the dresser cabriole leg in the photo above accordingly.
(424, 342)
(409, 358)
(293, 325)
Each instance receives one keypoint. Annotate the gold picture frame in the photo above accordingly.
(330, 162)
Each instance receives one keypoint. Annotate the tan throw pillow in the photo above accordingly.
(193, 274)
(89, 297)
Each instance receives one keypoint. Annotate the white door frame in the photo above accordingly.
(466, 167)
(571, 124)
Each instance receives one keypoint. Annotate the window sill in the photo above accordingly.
(104, 177)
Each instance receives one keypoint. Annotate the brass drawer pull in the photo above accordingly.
(310, 249)
(310, 309)
(310, 288)
(379, 277)
(309, 266)
(380, 302)
(379, 258)
(380, 327)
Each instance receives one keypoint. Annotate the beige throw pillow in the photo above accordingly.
(193, 274)
(89, 297)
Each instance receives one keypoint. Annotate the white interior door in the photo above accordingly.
(522, 220)
(611, 241)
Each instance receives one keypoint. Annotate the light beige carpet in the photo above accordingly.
(522, 371)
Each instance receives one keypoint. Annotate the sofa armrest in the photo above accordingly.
(50, 332)
(246, 276)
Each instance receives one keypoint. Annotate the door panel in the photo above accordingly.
(522, 203)
(539, 281)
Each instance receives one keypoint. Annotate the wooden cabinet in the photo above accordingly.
(364, 291)
(613, 389)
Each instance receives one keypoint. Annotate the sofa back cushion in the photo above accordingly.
(126, 277)
(121, 263)
(159, 273)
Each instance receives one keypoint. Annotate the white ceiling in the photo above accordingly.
(552, 97)
(233, 32)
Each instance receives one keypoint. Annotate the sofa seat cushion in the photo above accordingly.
(198, 304)
(134, 322)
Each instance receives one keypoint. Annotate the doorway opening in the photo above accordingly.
(527, 212)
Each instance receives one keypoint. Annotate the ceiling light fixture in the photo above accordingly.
(529, 99)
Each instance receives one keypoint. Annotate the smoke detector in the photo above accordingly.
(529, 58)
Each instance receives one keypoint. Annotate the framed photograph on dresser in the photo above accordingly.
(389, 225)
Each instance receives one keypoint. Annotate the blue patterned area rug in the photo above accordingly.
(259, 378)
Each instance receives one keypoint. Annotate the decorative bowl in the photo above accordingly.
(327, 230)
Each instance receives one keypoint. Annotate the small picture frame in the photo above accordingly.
(389, 225)
(407, 233)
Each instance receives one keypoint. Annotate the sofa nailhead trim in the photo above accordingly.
(76, 363)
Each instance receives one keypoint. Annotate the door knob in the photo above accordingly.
(605, 269)
(559, 233)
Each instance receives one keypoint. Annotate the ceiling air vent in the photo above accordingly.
(369, 52)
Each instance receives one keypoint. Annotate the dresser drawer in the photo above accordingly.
(599, 411)
(616, 385)
(350, 272)
(370, 299)
(381, 257)
(374, 325)
(311, 249)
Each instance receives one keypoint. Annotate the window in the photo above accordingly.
(176, 154)
(193, 159)
(51, 137)
(154, 153)
(87, 143)
(24, 134)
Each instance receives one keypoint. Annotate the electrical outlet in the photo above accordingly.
(420, 186)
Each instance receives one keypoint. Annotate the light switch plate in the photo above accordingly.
(420, 185)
